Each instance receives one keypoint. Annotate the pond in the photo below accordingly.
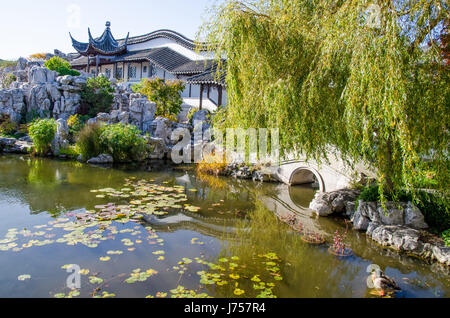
(170, 233)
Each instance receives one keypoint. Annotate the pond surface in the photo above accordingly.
(171, 233)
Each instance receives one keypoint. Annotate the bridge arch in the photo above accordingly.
(306, 175)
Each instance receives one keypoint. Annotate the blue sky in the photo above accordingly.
(30, 26)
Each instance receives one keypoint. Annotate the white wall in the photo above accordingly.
(163, 42)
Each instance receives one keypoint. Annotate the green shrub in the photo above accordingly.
(42, 133)
(123, 142)
(61, 66)
(166, 94)
(75, 124)
(96, 96)
(446, 237)
(7, 126)
(70, 151)
(88, 141)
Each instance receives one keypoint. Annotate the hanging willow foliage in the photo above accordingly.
(364, 78)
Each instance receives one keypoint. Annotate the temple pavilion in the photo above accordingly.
(160, 54)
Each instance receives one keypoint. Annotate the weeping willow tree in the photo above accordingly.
(366, 79)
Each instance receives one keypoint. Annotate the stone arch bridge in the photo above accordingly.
(329, 176)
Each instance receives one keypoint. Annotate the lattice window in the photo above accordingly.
(119, 72)
(132, 72)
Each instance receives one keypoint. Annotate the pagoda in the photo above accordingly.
(104, 47)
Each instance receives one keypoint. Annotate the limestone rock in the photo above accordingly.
(101, 159)
(398, 237)
(360, 222)
(41, 75)
(414, 218)
(441, 254)
(393, 215)
(321, 206)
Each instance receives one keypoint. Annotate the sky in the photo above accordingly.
(30, 26)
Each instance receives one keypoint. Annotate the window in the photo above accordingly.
(145, 69)
(108, 72)
(119, 72)
(152, 70)
(132, 72)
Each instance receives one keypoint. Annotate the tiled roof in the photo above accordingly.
(210, 76)
(168, 34)
(164, 58)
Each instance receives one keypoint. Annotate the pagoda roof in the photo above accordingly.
(105, 45)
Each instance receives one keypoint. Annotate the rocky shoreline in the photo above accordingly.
(400, 227)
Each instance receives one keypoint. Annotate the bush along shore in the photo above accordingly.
(415, 229)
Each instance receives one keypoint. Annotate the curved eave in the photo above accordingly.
(171, 35)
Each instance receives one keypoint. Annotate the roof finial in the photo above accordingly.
(108, 24)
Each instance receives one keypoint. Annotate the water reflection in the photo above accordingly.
(237, 218)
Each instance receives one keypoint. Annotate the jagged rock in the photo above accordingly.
(414, 218)
(392, 215)
(162, 129)
(61, 136)
(7, 142)
(441, 254)
(142, 112)
(101, 159)
(21, 64)
(360, 222)
(321, 206)
(41, 75)
(350, 208)
(333, 202)
(19, 147)
(398, 237)
(12, 103)
(159, 148)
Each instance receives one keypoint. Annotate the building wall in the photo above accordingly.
(162, 42)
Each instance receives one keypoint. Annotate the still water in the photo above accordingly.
(171, 233)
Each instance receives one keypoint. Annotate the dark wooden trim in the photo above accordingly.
(201, 97)
(220, 92)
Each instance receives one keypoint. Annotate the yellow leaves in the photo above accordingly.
(105, 259)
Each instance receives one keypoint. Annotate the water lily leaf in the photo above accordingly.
(59, 295)
(114, 252)
(239, 292)
(84, 272)
(95, 280)
(234, 276)
(159, 253)
(105, 259)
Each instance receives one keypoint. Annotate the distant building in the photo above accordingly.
(160, 54)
